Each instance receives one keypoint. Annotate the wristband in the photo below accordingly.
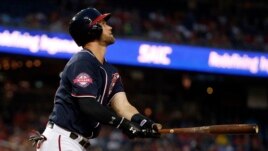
(141, 120)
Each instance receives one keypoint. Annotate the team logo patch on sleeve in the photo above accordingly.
(115, 76)
(83, 80)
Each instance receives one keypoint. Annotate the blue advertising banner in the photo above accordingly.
(139, 53)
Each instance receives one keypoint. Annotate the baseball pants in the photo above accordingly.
(59, 139)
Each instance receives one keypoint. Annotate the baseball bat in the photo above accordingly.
(215, 129)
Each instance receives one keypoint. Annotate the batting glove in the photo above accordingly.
(129, 128)
(148, 126)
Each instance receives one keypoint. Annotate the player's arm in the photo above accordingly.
(123, 108)
(91, 108)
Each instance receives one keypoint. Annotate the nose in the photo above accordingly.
(110, 27)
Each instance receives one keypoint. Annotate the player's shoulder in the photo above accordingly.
(82, 56)
(109, 66)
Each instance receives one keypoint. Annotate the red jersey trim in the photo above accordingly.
(59, 142)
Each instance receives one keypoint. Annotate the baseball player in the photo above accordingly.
(90, 93)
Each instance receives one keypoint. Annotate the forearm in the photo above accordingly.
(128, 112)
(122, 107)
(91, 108)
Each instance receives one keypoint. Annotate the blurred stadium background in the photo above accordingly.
(175, 98)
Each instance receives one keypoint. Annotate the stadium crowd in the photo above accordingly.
(225, 24)
(25, 105)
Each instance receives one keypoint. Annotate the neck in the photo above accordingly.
(97, 49)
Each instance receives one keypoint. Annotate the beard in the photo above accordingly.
(107, 39)
(111, 41)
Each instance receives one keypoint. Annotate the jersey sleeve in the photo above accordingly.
(83, 76)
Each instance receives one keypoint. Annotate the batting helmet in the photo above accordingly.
(84, 25)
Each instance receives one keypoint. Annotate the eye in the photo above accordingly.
(103, 23)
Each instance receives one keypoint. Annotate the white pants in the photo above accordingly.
(59, 139)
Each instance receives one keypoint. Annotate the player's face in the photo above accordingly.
(107, 35)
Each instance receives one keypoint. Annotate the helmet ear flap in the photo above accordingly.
(95, 31)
